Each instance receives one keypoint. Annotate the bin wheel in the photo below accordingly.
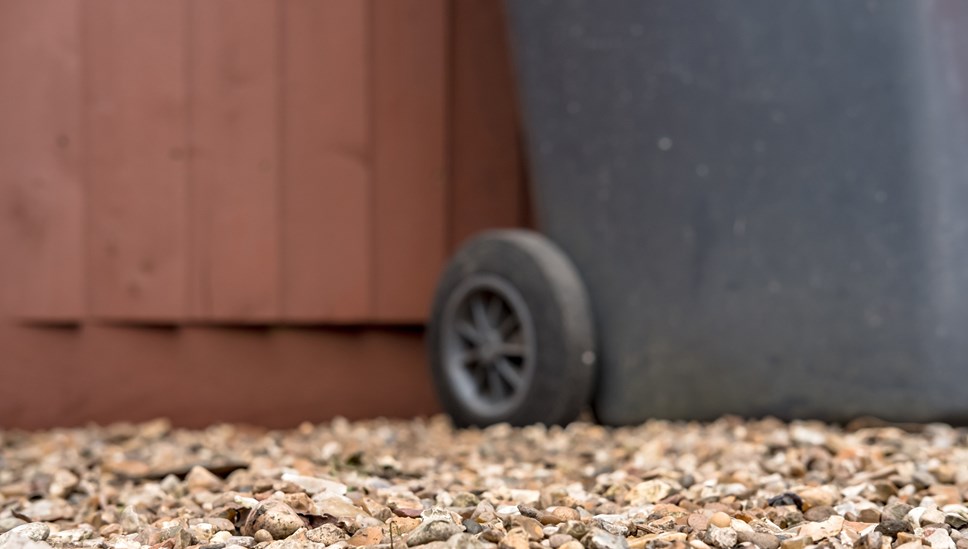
(510, 335)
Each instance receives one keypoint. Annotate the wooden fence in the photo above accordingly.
(198, 165)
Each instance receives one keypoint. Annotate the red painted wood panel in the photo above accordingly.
(41, 202)
(326, 213)
(235, 162)
(135, 120)
(249, 161)
(409, 106)
(487, 172)
(196, 375)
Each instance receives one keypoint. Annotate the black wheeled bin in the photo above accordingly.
(754, 208)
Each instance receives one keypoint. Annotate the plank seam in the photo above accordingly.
(370, 87)
(194, 287)
(281, 308)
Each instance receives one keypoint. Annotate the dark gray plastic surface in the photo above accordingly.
(767, 199)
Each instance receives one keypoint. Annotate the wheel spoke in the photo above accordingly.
(470, 356)
(509, 373)
(480, 377)
(479, 314)
(469, 332)
(512, 349)
(495, 384)
(508, 325)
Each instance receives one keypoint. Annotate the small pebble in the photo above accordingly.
(600, 539)
(651, 491)
(786, 498)
(723, 538)
(892, 527)
(494, 533)
(573, 528)
(327, 534)
(819, 513)
(817, 496)
(515, 539)
(760, 539)
(548, 519)
(932, 517)
(896, 511)
(528, 511)
(466, 499)
(131, 520)
(467, 541)
(557, 540)
(720, 519)
(274, 517)
(34, 531)
(371, 535)
(437, 530)
(940, 539)
(200, 478)
(873, 540)
(530, 526)
(565, 513)
(795, 543)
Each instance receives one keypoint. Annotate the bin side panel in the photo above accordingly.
(752, 194)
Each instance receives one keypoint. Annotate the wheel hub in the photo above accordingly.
(491, 344)
(488, 352)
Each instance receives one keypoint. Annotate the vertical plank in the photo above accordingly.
(326, 217)
(409, 105)
(487, 182)
(235, 165)
(135, 121)
(41, 202)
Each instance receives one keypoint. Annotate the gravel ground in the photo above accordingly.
(730, 483)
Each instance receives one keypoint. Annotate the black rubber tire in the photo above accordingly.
(563, 362)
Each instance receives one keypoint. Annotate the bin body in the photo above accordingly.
(767, 200)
